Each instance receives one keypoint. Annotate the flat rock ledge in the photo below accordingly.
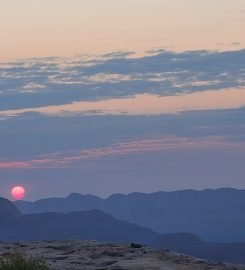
(91, 255)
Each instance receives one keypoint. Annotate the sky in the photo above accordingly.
(105, 97)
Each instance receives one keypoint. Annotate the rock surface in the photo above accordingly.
(91, 255)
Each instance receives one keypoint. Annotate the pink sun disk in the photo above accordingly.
(18, 192)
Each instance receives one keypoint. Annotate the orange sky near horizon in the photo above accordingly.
(34, 28)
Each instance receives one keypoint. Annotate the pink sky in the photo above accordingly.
(145, 104)
(90, 122)
(31, 28)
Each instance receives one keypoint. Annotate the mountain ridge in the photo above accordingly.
(211, 214)
(99, 226)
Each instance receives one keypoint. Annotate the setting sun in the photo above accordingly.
(18, 192)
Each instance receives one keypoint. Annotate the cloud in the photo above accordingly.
(51, 81)
(144, 104)
(75, 158)
(235, 43)
(32, 87)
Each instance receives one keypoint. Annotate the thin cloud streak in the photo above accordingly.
(75, 158)
(144, 105)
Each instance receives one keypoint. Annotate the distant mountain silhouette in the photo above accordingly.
(74, 202)
(86, 225)
(96, 225)
(214, 215)
(8, 210)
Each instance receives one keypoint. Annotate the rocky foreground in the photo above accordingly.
(93, 255)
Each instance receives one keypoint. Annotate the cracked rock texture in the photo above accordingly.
(88, 255)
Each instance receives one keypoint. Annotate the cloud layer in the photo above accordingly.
(42, 82)
(112, 119)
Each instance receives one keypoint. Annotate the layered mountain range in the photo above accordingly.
(80, 217)
(214, 215)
